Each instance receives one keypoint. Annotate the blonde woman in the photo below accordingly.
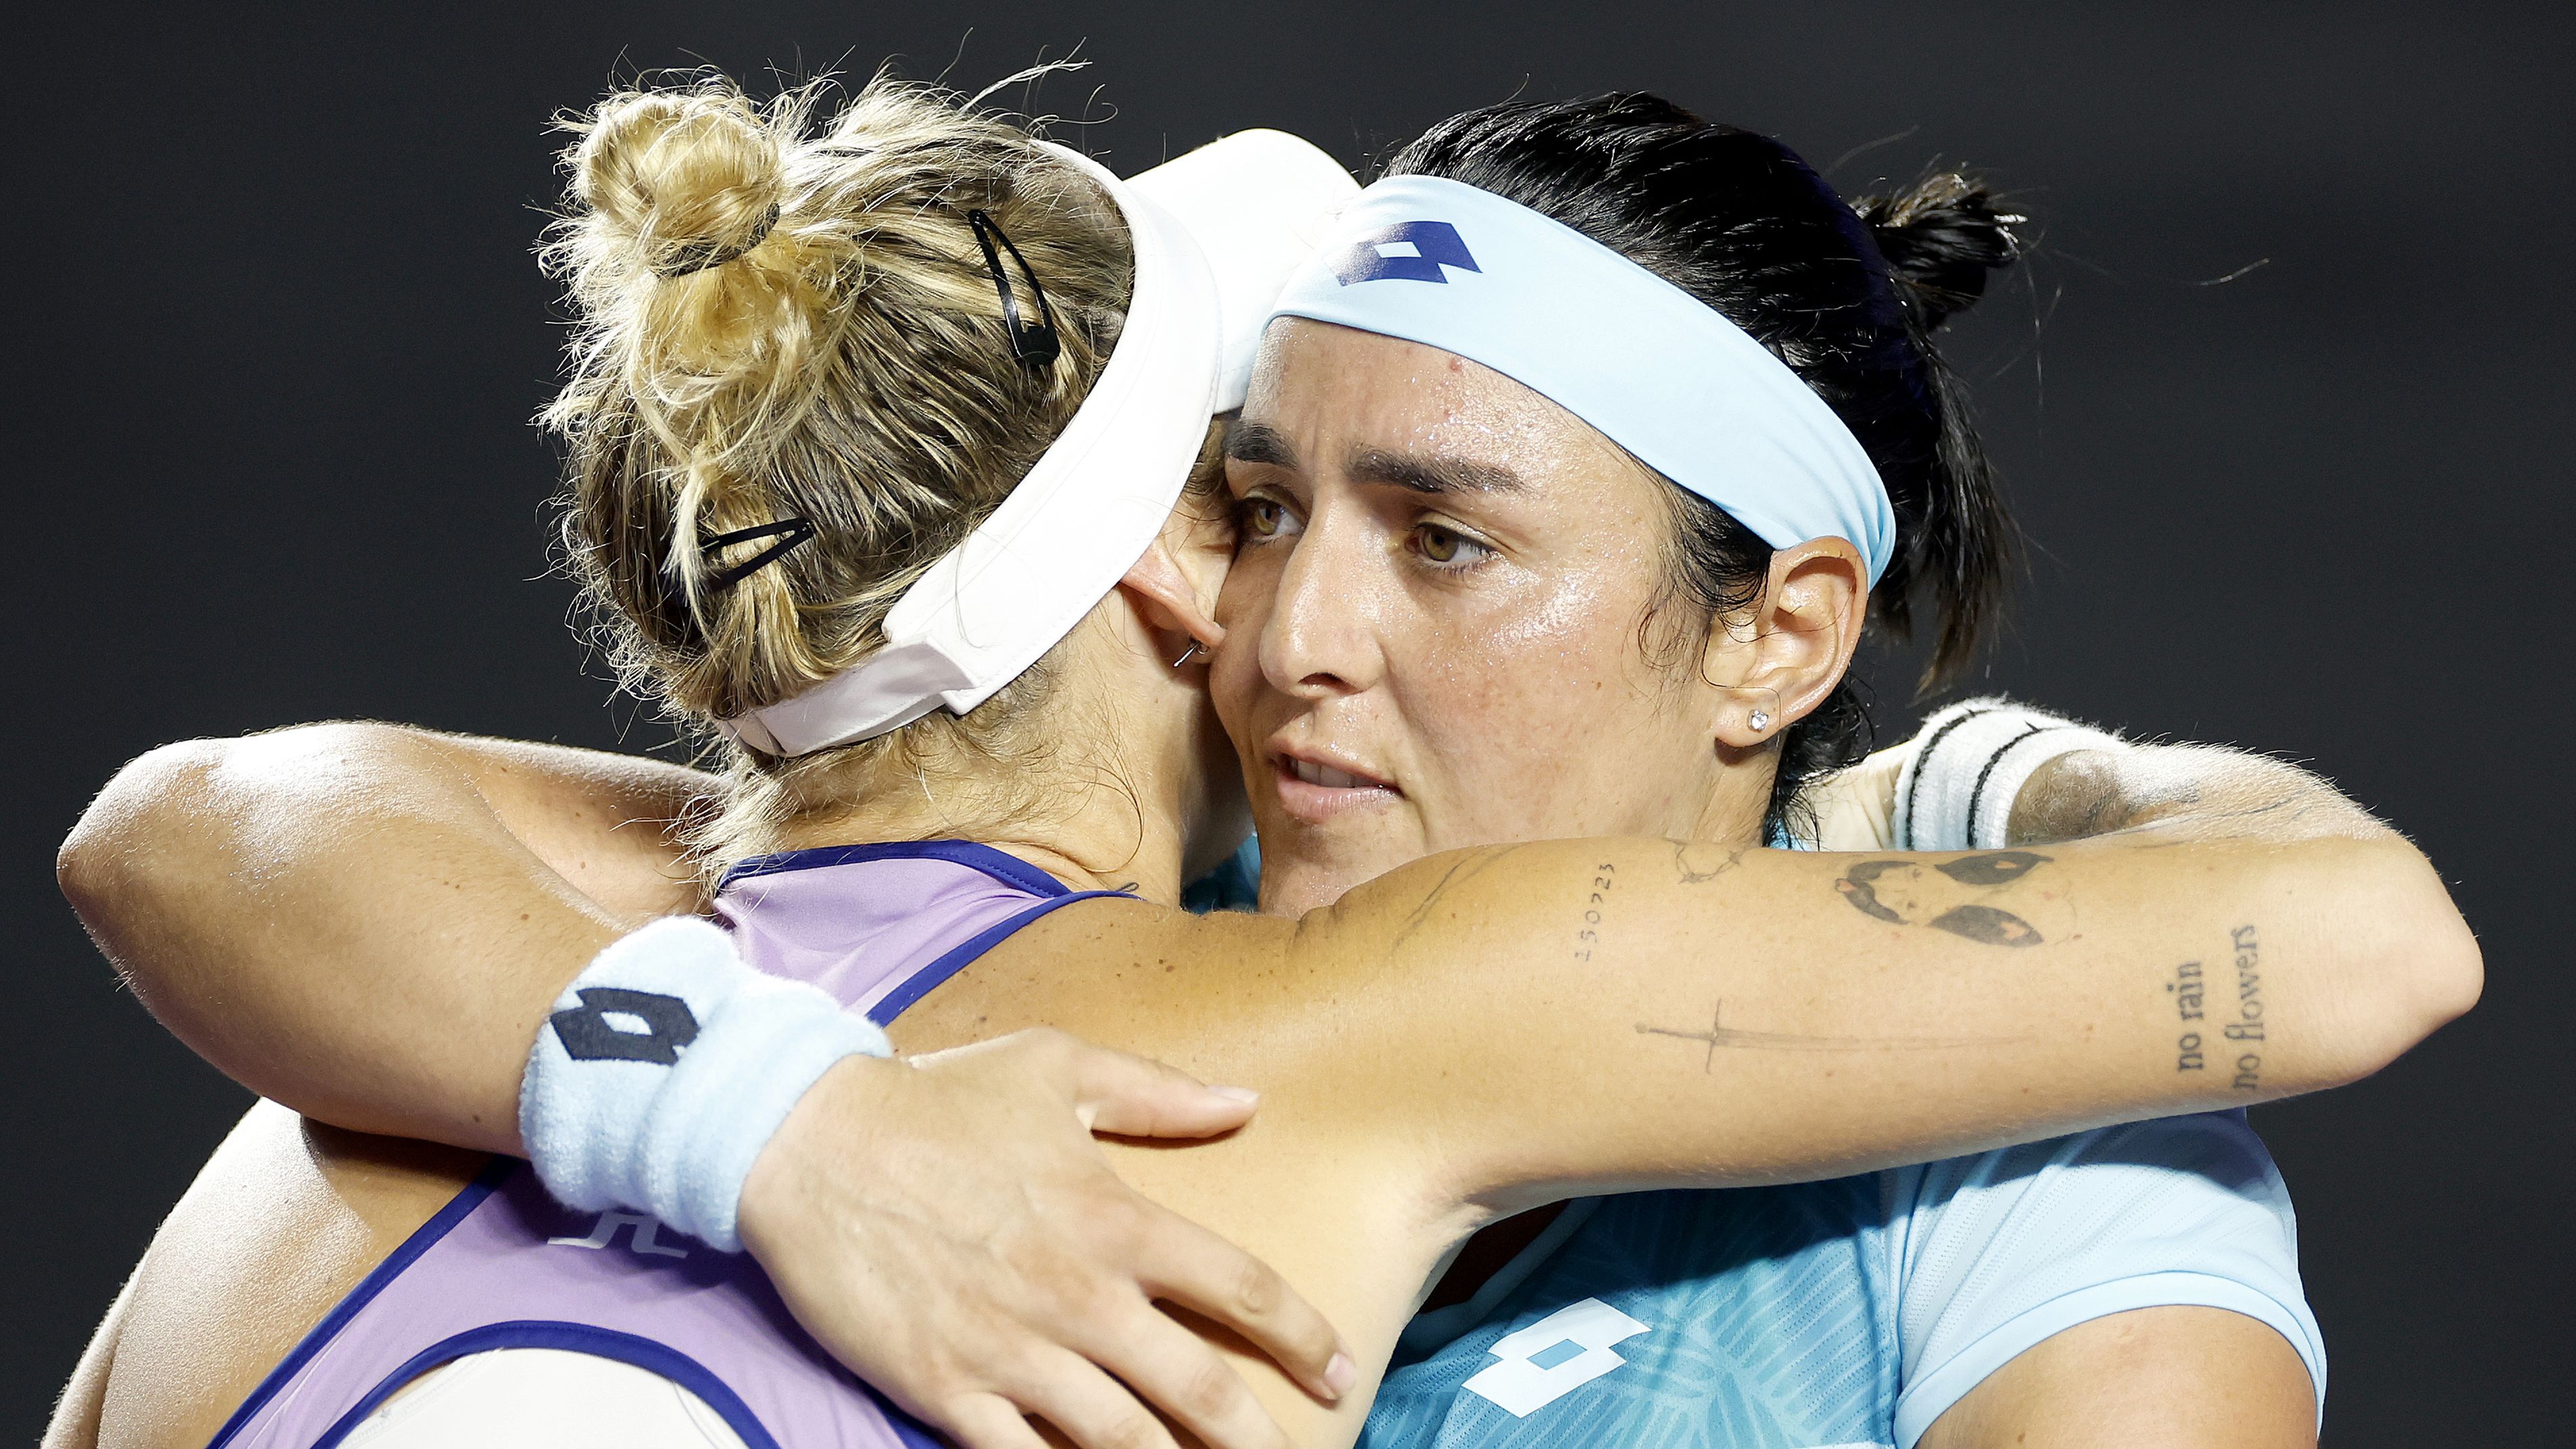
(814, 373)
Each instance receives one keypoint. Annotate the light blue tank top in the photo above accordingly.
(1843, 1313)
(1848, 1312)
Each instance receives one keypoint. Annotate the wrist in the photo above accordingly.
(666, 1067)
(843, 1115)
(1959, 790)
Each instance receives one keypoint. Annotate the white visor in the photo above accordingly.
(1215, 236)
(1259, 203)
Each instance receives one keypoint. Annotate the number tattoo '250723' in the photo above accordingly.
(1586, 940)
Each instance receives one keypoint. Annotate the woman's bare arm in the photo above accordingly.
(367, 922)
(2193, 792)
(1834, 1020)
(295, 908)
(1438, 1050)
(1600, 1015)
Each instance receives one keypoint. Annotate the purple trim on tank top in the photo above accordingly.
(423, 1238)
(926, 980)
(645, 1353)
(1008, 869)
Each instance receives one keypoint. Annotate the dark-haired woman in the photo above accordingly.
(1445, 564)
(1464, 1036)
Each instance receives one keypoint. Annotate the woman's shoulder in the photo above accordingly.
(1119, 971)
(284, 1219)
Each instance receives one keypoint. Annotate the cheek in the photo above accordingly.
(1516, 698)
(1234, 671)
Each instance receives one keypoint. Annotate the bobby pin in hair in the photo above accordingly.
(789, 532)
(1035, 344)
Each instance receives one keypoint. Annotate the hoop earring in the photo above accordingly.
(1187, 654)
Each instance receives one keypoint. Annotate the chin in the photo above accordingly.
(1303, 869)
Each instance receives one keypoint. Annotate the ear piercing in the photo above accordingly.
(1761, 720)
(1187, 654)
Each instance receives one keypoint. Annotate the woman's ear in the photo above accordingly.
(1176, 583)
(1800, 644)
(1171, 602)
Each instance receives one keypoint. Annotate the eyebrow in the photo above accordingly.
(1432, 474)
(1260, 443)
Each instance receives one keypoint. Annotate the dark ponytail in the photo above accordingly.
(1848, 295)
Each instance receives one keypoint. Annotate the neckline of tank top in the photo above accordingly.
(1010, 870)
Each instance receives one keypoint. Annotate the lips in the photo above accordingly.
(1315, 791)
(1325, 775)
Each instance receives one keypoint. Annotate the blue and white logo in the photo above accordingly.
(1554, 1356)
(1412, 251)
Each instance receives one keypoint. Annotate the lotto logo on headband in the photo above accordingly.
(1412, 251)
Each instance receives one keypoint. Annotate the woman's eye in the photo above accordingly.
(1260, 520)
(1446, 545)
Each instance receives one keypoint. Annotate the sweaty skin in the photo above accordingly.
(1445, 573)
(1488, 1029)
(1433, 1048)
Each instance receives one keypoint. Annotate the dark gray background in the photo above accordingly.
(275, 334)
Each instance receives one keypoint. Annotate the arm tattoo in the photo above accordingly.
(1698, 864)
(2185, 988)
(1459, 872)
(1604, 876)
(1904, 893)
(1720, 1035)
(1694, 863)
(1986, 925)
(2189, 989)
(2247, 1029)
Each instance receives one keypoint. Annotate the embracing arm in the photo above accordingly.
(1600, 1015)
(2176, 1374)
(295, 905)
(1488, 1030)
(1743, 1016)
(2193, 792)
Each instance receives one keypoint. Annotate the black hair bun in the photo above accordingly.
(1942, 238)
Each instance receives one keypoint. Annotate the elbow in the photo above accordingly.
(2424, 971)
(2451, 974)
(119, 851)
(169, 826)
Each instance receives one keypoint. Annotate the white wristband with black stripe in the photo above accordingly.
(664, 1069)
(1957, 791)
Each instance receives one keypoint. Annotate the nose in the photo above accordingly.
(1319, 640)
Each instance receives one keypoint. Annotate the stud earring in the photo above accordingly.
(1187, 654)
(1760, 721)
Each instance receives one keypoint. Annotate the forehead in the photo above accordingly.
(1334, 390)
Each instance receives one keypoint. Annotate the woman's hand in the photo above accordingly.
(947, 1227)
(962, 1243)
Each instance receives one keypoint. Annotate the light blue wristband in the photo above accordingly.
(664, 1069)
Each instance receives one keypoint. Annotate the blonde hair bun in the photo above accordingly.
(783, 319)
(688, 179)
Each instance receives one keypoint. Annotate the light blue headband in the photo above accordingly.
(1649, 366)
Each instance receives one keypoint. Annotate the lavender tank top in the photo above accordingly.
(505, 1266)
